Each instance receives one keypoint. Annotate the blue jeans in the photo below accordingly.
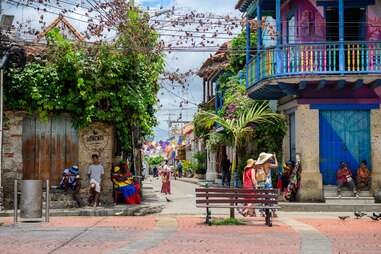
(350, 184)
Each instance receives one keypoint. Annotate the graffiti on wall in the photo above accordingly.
(374, 22)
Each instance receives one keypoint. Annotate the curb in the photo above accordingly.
(133, 210)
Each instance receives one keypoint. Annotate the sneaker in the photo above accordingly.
(339, 196)
(356, 195)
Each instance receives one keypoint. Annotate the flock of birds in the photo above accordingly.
(359, 215)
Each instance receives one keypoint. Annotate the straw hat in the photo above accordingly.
(250, 163)
(263, 157)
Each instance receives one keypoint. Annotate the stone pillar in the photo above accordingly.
(375, 133)
(307, 146)
(12, 154)
(97, 139)
(211, 174)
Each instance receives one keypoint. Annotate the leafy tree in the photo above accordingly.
(245, 124)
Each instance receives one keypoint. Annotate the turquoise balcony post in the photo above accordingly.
(341, 37)
(247, 51)
(278, 38)
(259, 40)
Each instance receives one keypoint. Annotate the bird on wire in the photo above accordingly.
(343, 218)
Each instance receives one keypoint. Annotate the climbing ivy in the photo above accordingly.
(111, 82)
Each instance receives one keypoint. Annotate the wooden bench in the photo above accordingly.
(237, 198)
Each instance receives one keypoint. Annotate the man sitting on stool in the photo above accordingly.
(95, 173)
(344, 177)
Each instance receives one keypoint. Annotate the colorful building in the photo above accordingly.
(325, 73)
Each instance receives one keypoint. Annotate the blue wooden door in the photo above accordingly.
(344, 136)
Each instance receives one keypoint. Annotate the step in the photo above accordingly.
(347, 194)
(349, 200)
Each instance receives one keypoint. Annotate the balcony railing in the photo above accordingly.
(315, 58)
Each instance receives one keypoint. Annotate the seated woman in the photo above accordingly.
(363, 175)
(124, 183)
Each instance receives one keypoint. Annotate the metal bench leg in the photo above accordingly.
(268, 218)
(208, 217)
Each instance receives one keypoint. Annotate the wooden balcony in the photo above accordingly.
(314, 59)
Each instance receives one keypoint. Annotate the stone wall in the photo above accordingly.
(12, 154)
(375, 120)
(97, 139)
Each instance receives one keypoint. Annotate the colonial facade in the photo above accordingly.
(325, 73)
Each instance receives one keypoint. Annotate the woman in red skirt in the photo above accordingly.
(165, 176)
(249, 182)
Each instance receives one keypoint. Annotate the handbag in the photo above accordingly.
(260, 175)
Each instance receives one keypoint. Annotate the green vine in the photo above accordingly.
(113, 83)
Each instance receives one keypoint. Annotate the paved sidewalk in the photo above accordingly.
(167, 234)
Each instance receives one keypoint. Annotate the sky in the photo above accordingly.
(170, 95)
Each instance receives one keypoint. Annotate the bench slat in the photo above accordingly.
(242, 190)
(234, 195)
(228, 201)
(237, 206)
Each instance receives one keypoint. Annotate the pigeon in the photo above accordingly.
(377, 215)
(359, 214)
(343, 218)
(374, 218)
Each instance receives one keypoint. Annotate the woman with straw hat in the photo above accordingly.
(263, 166)
(249, 182)
(263, 173)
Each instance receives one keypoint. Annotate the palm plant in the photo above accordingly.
(238, 128)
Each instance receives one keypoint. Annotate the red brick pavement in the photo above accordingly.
(195, 237)
(103, 234)
(74, 235)
(351, 236)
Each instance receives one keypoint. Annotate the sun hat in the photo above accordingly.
(250, 163)
(263, 157)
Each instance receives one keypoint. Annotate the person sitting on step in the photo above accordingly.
(71, 180)
(344, 178)
(363, 175)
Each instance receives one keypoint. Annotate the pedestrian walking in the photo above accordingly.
(95, 173)
(226, 173)
(180, 168)
(249, 182)
(165, 176)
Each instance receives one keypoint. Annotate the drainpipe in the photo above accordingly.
(341, 37)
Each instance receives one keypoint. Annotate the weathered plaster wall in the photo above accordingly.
(376, 149)
(97, 139)
(307, 146)
(12, 154)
